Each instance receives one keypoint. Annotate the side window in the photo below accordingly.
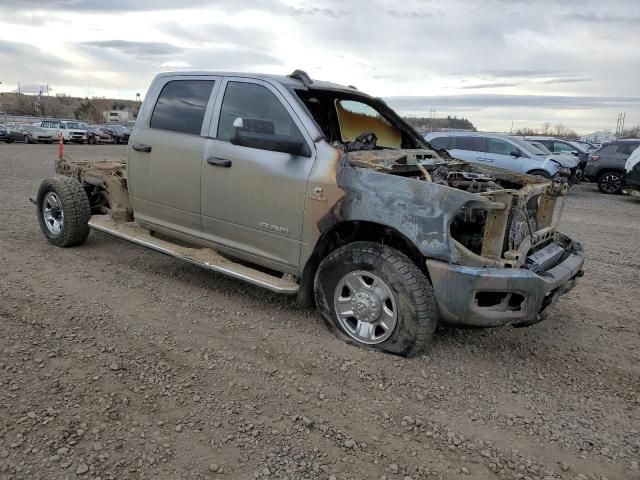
(440, 143)
(562, 147)
(499, 147)
(626, 148)
(254, 102)
(181, 106)
(473, 144)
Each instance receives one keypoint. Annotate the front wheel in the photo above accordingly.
(374, 296)
(63, 211)
(26, 139)
(610, 182)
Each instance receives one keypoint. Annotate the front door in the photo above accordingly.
(165, 154)
(499, 152)
(253, 199)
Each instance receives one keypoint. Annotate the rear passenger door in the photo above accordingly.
(165, 153)
(499, 153)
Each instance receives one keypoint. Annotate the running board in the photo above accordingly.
(203, 257)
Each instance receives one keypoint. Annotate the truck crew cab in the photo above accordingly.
(318, 190)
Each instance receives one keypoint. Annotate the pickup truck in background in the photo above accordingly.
(318, 190)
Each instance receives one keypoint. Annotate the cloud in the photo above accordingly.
(489, 85)
(475, 101)
(220, 33)
(603, 18)
(143, 50)
(29, 64)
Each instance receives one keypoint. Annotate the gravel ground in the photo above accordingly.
(117, 362)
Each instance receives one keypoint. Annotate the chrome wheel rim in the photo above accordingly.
(611, 183)
(52, 213)
(365, 307)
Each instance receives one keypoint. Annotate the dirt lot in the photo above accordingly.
(117, 362)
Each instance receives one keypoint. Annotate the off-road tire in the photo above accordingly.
(75, 207)
(605, 177)
(417, 313)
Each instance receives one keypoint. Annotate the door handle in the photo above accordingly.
(138, 147)
(482, 159)
(219, 162)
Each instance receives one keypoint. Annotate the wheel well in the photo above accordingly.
(606, 170)
(348, 232)
(537, 171)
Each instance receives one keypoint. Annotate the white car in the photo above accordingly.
(71, 131)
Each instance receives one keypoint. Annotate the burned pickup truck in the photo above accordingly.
(317, 190)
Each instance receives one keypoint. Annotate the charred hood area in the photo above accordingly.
(453, 210)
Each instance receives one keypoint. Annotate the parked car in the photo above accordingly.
(4, 133)
(119, 133)
(631, 176)
(511, 153)
(71, 131)
(542, 147)
(328, 189)
(607, 164)
(31, 134)
(559, 146)
(12, 134)
(95, 135)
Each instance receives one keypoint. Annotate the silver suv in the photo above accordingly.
(511, 153)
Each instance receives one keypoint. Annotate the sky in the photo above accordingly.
(500, 63)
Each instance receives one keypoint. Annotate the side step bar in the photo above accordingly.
(203, 257)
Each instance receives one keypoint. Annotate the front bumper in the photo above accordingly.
(491, 297)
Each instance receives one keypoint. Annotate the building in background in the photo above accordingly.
(599, 137)
(120, 117)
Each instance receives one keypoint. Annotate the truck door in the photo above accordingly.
(253, 198)
(165, 153)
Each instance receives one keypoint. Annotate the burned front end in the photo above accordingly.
(489, 236)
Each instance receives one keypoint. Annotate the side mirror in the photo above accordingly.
(260, 134)
(516, 152)
(574, 152)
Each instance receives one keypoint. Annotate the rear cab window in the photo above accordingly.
(181, 106)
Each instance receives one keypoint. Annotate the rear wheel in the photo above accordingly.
(610, 182)
(63, 211)
(374, 296)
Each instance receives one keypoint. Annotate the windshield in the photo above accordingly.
(527, 147)
(541, 146)
(74, 125)
(580, 148)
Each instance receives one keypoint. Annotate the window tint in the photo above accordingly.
(499, 147)
(626, 148)
(181, 106)
(255, 102)
(474, 144)
(440, 143)
(563, 147)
